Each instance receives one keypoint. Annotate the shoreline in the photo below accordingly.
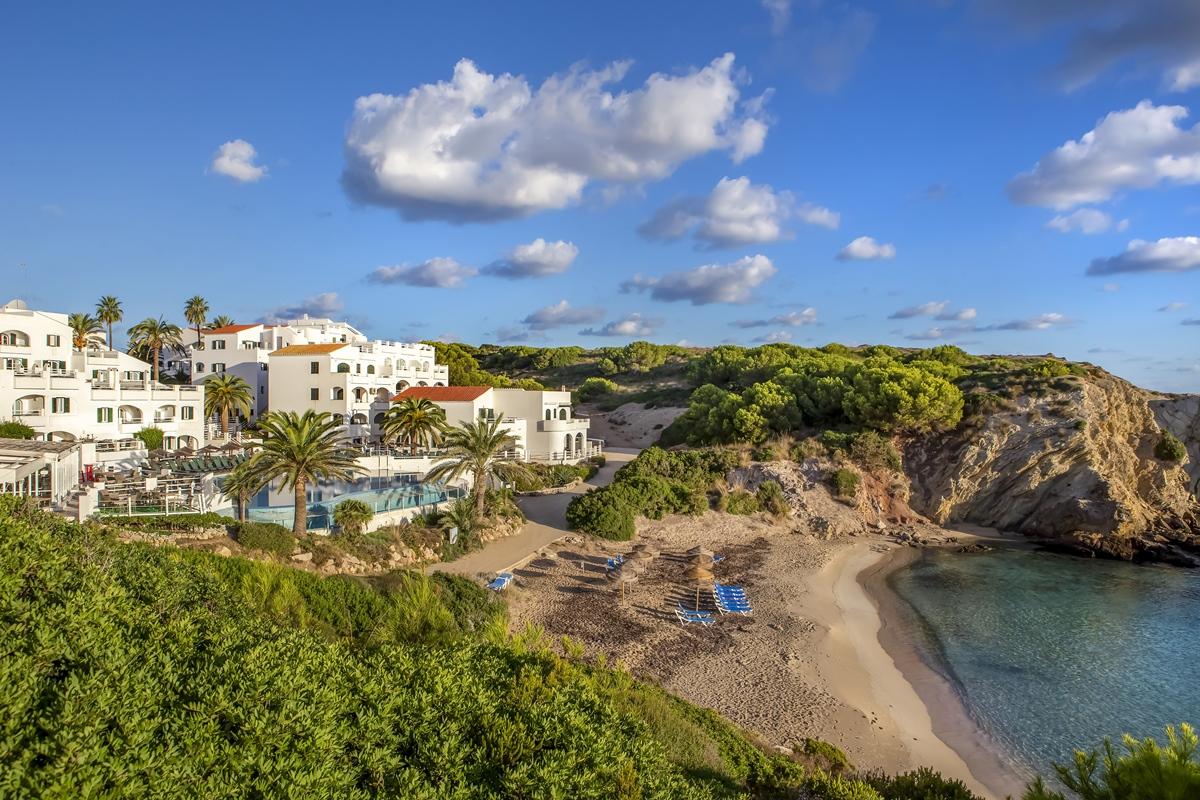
(948, 718)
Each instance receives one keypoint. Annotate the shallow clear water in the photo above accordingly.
(1052, 653)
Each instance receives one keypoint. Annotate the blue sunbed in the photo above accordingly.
(501, 582)
(687, 616)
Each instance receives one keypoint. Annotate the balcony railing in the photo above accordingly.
(33, 412)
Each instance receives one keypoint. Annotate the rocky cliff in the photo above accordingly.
(1076, 468)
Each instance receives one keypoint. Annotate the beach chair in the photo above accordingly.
(687, 616)
(732, 605)
(614, 562)
(717, 559)
(501, 581)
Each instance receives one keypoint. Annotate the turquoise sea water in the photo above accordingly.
(1051, 652)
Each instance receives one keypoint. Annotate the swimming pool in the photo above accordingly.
(382, 493)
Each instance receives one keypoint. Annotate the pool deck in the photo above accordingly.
(547, 523)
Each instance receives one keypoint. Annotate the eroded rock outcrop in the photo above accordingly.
(1076, 468)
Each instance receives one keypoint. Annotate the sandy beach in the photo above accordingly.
(808, 663)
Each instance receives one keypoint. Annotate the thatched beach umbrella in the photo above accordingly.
(701, 560)
(699, 576)
(620, 577)
(209, 450)
(232, 447)
(700, 551)
(638, 560)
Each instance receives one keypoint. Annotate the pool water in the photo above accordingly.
(382, 493)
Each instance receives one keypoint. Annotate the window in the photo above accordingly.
(314, 367)
(53, 339)
(314, 394)
(218, 367)
(562, 413)
(199, 366)
(338, 393)
(549, 414)
(262, 367)
(262, 390)
(358, 369)
(218, 344)
(13, 339)
(60, 405)
(370, 369)
(341, 368)
(187, 412)
(16, 363)
(104, 415)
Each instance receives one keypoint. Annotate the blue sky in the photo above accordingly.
(700, 172)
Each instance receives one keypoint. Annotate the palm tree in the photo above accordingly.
(195, 311)
(240, 485)
(483, 449)
(85, 330)
(109, 312)
(352, 516)
(226, 394)
(300, 449)
(221, 321)
(153, 336)
(416, 420)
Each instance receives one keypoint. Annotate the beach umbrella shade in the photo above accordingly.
(232, 447)
(700, 551)
(699, 576)
(209, 449)
(185, 452)
(644, 547)
(622, 579)
(701, 560)
(638, 560)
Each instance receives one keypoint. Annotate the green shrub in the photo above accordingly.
(827, 757)
(597, 514)
(151, 436)
(741, 502)
(810, 447)
(770, 499)
(595, 387)
(15, 429)
(167, 523)
(1145, 771)
(352, 516)
(1169, 448)
(875, 452)
(920, 784)
(846, 482)
(266, 537)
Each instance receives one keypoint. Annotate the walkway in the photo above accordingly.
(547, 523)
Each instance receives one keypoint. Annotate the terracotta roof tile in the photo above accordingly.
(445, 394)
(310, 349)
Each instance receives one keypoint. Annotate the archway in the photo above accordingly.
(579, 443)
(567, 444)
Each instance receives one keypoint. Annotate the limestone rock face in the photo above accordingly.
(1077, 467)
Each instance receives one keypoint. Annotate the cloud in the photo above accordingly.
(865, 248)
(538, 259)
(235, 159)
(736, 212)
(485, 147)
(823, 48)
(1191, 322)
(1137, 148)
(774, 337)
(1088, 221)
(325, 304)
(561, 314)
(712, 283)
(938, 310)
(1111, 287)
(436, 273)
(1173, 254)
(793, 319)
(1175, 306)
(1039, 323)
(512, 333)
(781, 14)
(1101, 34)
(631, 325)
(940, 332)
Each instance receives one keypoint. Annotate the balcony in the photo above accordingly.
(573, 425)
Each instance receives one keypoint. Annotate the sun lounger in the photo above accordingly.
(614, 562)
(687, 616)
(500, 582)
(727, 605)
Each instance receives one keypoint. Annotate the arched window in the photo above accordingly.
(14, 339)
(562, 413)
(400, 364)
(358, 419)
(379, 418)
(370, 369)
(343, 367)
(401, 386)
(339, 393)
(425, 367)
(567, 444)
(549, 414)
(360, 395)
(579, 443)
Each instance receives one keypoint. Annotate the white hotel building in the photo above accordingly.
(97, 394)
(318, 364)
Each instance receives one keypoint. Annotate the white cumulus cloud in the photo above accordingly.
(736, 212)
(538, 259)
(487, 147)
(939, 310)
(712, 283)
(1088, 221)
(560, 314)
(1172, 254)
(631, 325)
(792, 319)
(1173, 306)
(865, 248)
(325, 304)
(1137, 148)
(436, 273)
(235, 159)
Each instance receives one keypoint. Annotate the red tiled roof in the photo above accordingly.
(309, 349)
(445, 394)
(232, 328)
